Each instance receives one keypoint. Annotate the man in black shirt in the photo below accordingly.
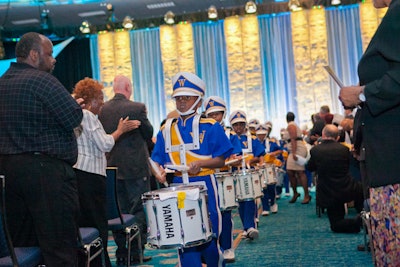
(37, 151)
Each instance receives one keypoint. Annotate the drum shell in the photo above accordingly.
(170, 227)
(226, 191)
(248, 185)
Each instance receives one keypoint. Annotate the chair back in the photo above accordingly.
(113, 209)
(6, 245)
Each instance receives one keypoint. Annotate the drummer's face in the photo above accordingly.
(217, 115)
(239, 127)
(184, 103)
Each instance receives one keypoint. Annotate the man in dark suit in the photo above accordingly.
(130, 154)
(335, 186)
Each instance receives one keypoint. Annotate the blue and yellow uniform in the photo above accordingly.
(215, 107)
(248, 209)
(212, 143)
(250, 146)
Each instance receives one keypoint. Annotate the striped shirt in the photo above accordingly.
(93, 142)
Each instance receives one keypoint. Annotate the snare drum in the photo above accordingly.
(226, 191)
(248, 185)
(177, 217)
(269, 174)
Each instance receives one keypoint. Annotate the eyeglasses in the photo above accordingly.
(184, 97)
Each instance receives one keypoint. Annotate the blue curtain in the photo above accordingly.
(147, 73)
(344, 46)
(277, 63)
(94, 56)
(210, 58)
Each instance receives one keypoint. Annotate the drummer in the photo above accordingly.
(253, 124)
(215, 108)
(203, 151)
(272, 151)
(253, 148)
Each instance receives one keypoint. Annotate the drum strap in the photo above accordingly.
(249, 148)
(267, 146)
(191, 146)
(182, 147)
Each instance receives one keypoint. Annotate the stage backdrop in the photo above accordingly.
(265, 65)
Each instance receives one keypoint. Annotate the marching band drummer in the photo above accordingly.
(205, 147)
(247, 209)
(272, 150)
(215, 108)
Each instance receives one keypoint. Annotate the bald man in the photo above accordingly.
(130, 155)
(331, 161)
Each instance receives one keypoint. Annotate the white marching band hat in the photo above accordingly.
(187, 84)
(213, 104)
(237, 116)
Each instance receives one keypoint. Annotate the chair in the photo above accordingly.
(117, 220)
(91, 243)
(11, 256)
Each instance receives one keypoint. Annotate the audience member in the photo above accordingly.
(319, 123)
(188, 92)
(377, 129)
(90, 167)
(335, 186)
(130, 155)
(37, 151)
(295, 169)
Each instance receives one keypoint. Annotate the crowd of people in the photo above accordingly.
(55, 147)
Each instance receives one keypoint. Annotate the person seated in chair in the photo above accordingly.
(335, 186)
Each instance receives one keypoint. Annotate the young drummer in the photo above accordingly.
(201, 145)
(250, 146)
(215, 107)
(272, 150)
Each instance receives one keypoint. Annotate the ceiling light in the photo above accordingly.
(335, 2)
(169, 17)
(160, 5)
(212, 12)
(250, 7)
(127, 23)
(294, 5)
(92, 13)
(85, 27)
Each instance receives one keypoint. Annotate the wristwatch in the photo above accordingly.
(361, 96)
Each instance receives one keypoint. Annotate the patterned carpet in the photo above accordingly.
(295, 236)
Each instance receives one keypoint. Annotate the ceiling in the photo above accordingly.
(62, 18)
(23, 15)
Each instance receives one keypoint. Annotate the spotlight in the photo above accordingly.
(212, 12)
(250, 7)
(85, 27)
(294, 5)
(169, 18)
(127, 23)
(335, 2)
(44, 19)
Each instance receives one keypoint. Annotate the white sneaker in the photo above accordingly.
(252, 233)
(229, 255)
(287, 194)
(274, 208)
(265, 213)
(244, 234)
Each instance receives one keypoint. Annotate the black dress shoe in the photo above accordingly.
(363, 248)
(135, 259)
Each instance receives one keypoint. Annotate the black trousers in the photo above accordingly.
(339, 223)
(93, 207)
(42, 206)
(130, 200)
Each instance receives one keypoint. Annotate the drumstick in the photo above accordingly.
(334, 77)
(156, 170)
